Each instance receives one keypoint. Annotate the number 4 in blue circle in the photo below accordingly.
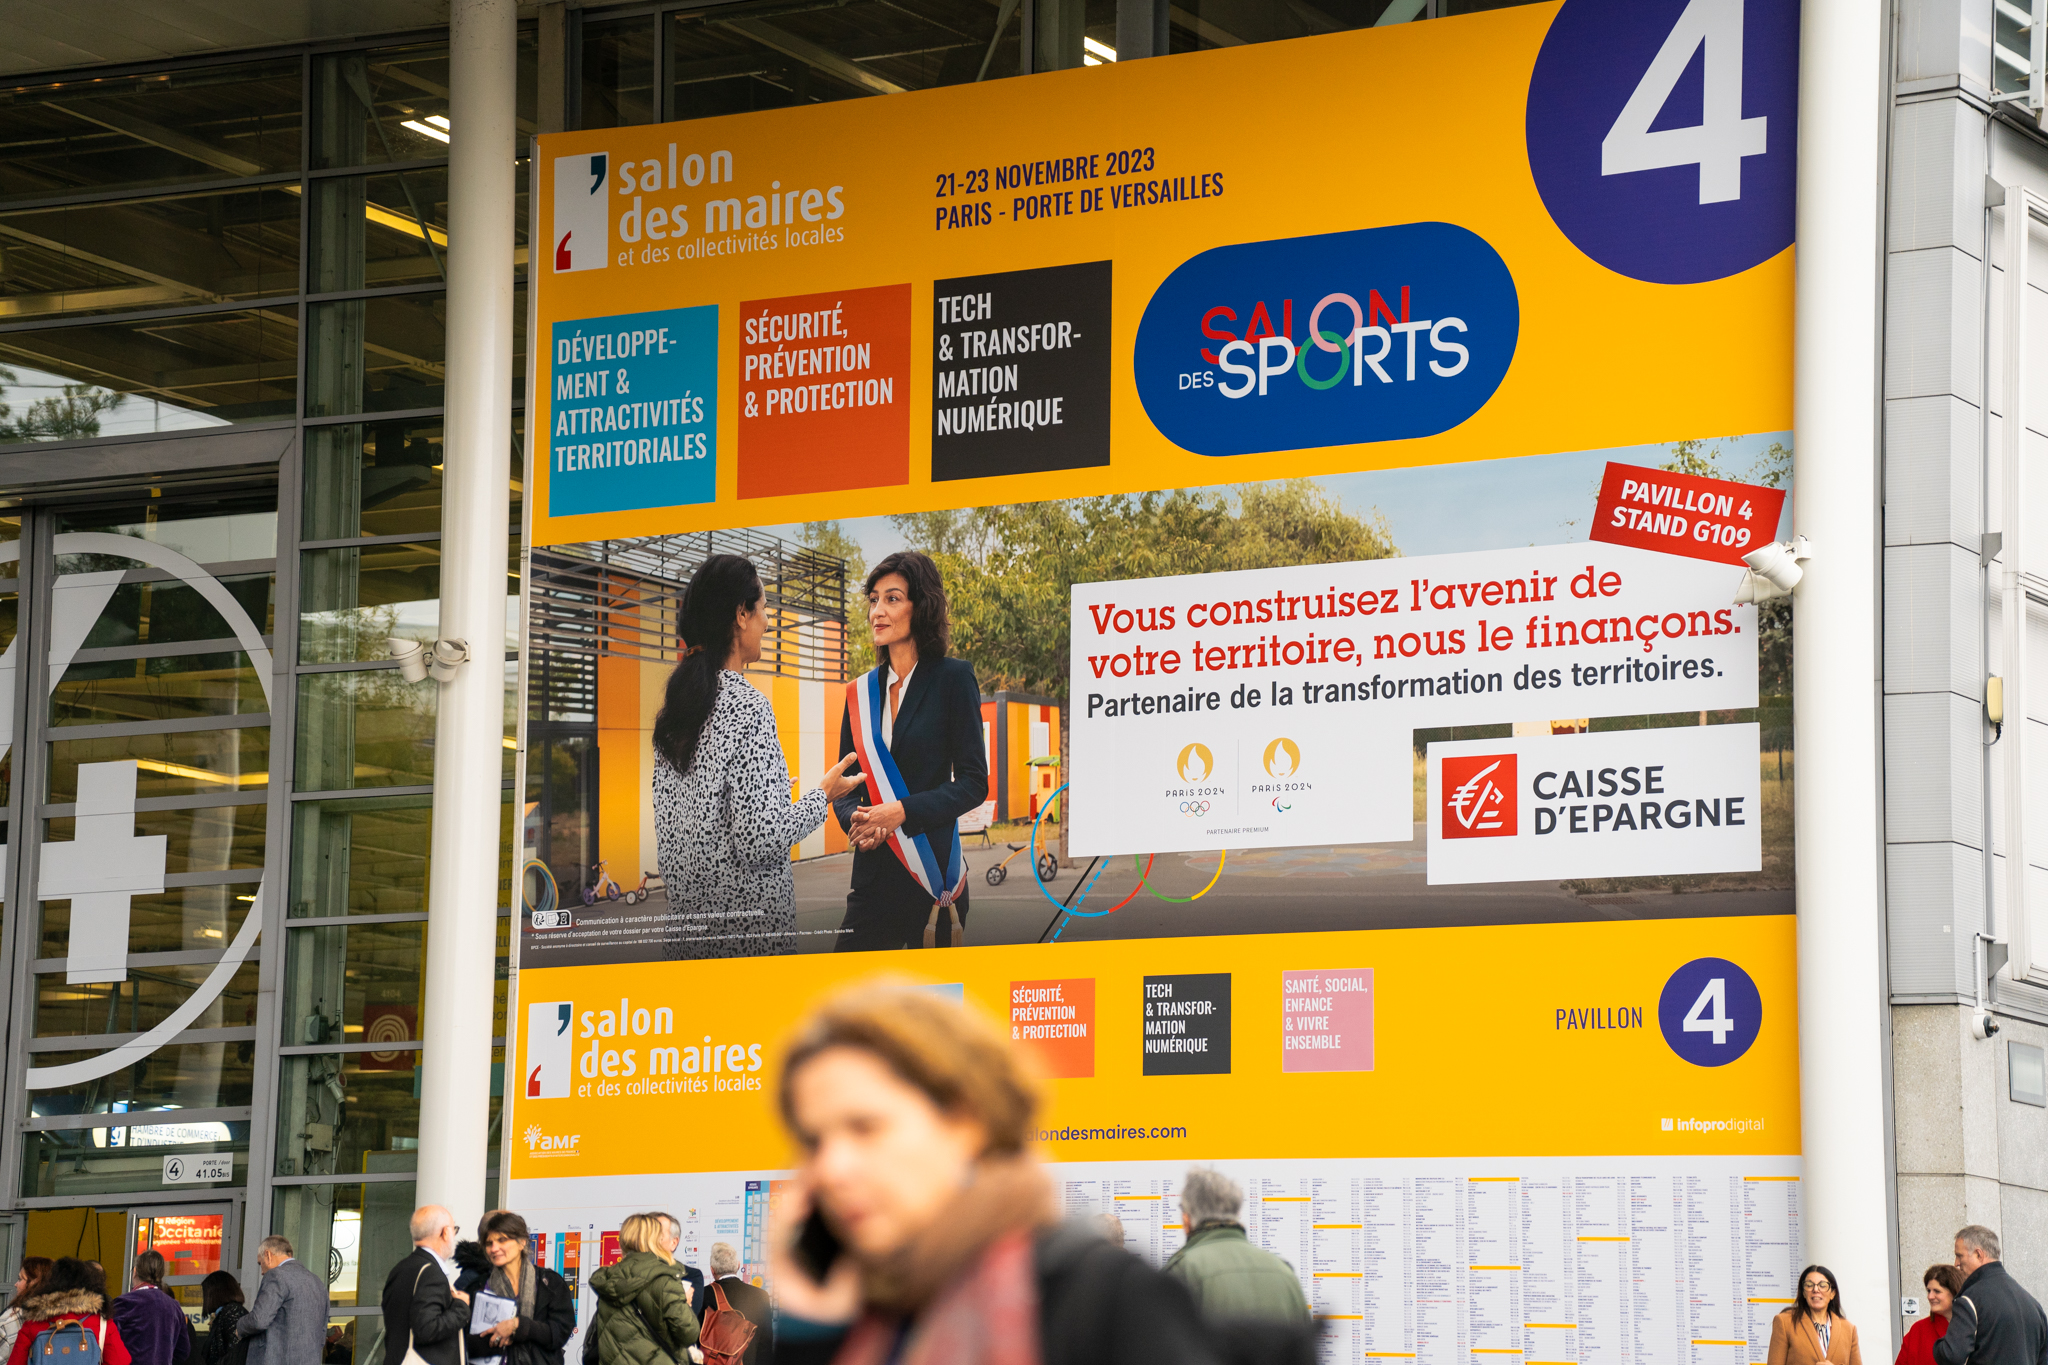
(1662, 133)
(1710, 1011)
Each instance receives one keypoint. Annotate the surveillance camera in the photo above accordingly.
(1982, 1025)
(446, 657)
(411, 657)
(1773, 571)
(1755, 588)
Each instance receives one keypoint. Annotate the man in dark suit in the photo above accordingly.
(421, 1308)
(750, 1301)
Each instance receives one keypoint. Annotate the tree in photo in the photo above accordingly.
(1010, 570)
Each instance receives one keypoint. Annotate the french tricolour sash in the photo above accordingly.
(864, 702)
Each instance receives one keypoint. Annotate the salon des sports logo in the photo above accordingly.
(1381, 334)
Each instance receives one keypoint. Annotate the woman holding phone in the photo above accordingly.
(914, 724)
(919, 1230)
(723, 820)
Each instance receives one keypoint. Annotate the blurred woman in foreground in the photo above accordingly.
(919, 1232)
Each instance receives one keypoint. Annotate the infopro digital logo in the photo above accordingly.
(1347, 337)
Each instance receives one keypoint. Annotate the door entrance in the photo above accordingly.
(135, 738)
(195, 1240)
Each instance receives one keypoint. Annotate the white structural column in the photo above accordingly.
(469, 732)
(1837, 809)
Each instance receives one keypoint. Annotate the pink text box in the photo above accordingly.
(1326, 1020)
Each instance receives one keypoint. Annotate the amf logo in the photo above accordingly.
(1382, 334)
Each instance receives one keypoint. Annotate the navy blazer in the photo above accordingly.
(940, 751)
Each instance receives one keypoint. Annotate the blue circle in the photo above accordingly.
(1725, 1018)
(1650, 224)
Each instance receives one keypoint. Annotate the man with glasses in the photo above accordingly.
(1994, 1322)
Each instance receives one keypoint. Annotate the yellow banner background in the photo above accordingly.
(1470, 1060)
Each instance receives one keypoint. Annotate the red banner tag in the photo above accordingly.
(1683, 514)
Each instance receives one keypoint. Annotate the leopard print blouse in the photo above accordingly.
(723, 832)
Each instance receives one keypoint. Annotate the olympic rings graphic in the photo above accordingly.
(1144, 874)
(1221, 856)
(1194, 808)
(1104, 867)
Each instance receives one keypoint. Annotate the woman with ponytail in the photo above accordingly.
(723, 820)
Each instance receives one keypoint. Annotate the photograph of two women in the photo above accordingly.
(850, 736)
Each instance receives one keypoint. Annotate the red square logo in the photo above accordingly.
(1479, 796)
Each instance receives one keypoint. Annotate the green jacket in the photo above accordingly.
(643, 1312)
(1231, 1278)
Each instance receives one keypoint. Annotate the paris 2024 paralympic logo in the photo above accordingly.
(1380, 334)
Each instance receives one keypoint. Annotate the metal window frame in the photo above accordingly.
(135, 1118)
(2024, 209)
(241, 1033)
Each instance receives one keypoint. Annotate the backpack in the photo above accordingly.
(79, 1347)
(726, 1333)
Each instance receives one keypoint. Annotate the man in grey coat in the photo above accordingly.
(287, 1325)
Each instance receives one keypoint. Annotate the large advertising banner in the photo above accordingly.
(1364, 777)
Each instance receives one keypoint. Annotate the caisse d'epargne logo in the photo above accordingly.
(1479, 796)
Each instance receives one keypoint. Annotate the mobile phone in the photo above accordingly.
(817, 1248)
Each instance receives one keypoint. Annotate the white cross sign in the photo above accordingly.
(101, 870)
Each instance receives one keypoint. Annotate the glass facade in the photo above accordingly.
(211, 249)
(229, 244)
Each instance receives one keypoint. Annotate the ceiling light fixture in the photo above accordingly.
(429, 128)
(1097, 53)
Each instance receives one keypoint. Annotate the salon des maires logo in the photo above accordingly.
(1479, 796)
(550, 1049)
(582, 233)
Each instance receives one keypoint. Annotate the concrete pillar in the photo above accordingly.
(1141, 29)
(1843, 1017)
(469, 731)
(551, 114)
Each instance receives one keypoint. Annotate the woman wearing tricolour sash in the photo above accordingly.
(914, 724)
(723, 820)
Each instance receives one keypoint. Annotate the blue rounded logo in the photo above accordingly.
(1710, 1011)
(1663, 134)
(1382, 334)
